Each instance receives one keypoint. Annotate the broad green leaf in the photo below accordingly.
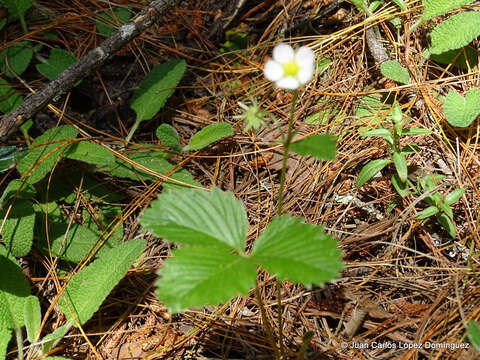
(455, 32)
(474, 333)
(169, 137)
(370, 170)
(50, 340)
(462, 111)
(14, 291)
(416, 131)
(46, 155)
(17, 8)
(156, 88)
(447, 224)
(17, 232)
(382, 132)
(400, 186)
(395, 71)
(90, 153)
(197, 276)
(454, 196)
(59, 61)
(87, 289)
(321, 146)
(198, 217)
(18, 56)
(400, 165)
(32, 316)
(432, 8)
(9, 98)
(461, 61)
(7, 157)
(106, 23)
(209, 134)
(428, 212)
(298, 252)
(26, 191)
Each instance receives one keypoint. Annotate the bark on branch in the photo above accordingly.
(95, 58)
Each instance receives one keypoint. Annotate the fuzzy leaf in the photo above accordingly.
(454, 196)
(197, 276)
(58, 61)
(169, 137)
(17, 232)
(13, 187)
(47, 154)
(319, 146)
(106, 23)
(5, 335)
(209, 134)
(462, 111)
(9, 98)
(90, 153)
(395, 71)
(432, 8)
(298, 252)
(455, 32)
(32, 316)
(474, 333)
(198, 217)
(400, 165)
(18, 56)
(461, 61)
(50, 340)
(156, 88)
(428, 212)
(370, 170)
(87, 289)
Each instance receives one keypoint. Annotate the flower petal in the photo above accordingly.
(305, 74)
(273, 70)
(289, 83)
(283, 53)
(305, 57)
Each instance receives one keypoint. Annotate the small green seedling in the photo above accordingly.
(440, 205)
(397, 155)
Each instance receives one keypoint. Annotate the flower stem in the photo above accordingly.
(266, 323)
(286, 150)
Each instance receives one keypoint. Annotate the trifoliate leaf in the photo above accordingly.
(455, 32)
(432, 8)
(156, 88)
(59, 61)
(87, 289)
(169, 137)
(90, 153)
(198, 217)
(395, 71)
(42, 158)
(298, 252)
(209, 134)
(18, 57)
(32, 316)
(322, 146)
(197, 276)
(370, 170)
(9, 98)
(462, 111)
(17, 232)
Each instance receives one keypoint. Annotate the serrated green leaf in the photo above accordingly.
(9, 98)
(47, 154)
(416, 131)
(17, 232)
(14, 291)
(370, 170)
(395, 71)
(455, 32)
(461, 61)
(474, 333)
(18, 56)
(322, 146)
(400, 165)
(298, 252)
(400, 186)
(32, 316)
(197, 276)
(209, 134)
(447, 224)
(428, 212)
(59, 61)
(87, 289)
(383, 133)
(454, 196)
(432, 8)
(169, 137)
(90, 153)
(106, 23)
(462, 111)
(198, 217)
(156, 88)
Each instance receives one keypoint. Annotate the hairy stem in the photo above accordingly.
(18, 333)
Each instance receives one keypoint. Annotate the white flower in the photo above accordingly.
(289, 68)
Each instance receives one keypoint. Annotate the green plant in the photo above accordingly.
(474, 334)
(462, 111)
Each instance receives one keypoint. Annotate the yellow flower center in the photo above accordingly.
(291, 68)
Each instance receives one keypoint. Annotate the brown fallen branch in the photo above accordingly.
(95, 58)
